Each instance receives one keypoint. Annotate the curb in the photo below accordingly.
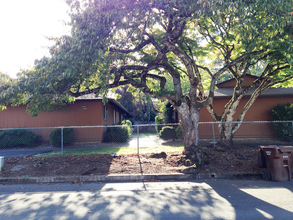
(128, 178)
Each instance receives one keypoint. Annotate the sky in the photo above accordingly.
(24, 24)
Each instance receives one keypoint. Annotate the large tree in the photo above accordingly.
(137, 42)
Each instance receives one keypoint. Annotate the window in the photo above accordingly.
(105, 112)
(114, 116)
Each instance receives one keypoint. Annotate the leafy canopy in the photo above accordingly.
(188, 44)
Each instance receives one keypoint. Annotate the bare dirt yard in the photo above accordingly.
(244, 159)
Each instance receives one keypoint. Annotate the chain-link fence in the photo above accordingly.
(97, 150)
(64, 139)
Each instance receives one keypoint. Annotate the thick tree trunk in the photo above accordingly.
(226, 129)
(189, 118)
(226, 134)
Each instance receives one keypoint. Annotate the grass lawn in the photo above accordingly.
(147, 134)
(117, 150)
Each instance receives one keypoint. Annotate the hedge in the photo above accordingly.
(18, 137)
(119, 134)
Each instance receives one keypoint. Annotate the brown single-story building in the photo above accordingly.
(259, 111)
(85, 111)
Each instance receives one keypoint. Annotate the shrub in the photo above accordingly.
(167, 133)
(55, 136)
(117, 134)
(18, 137)
(178, 132)
(283, 113)
(127, 124)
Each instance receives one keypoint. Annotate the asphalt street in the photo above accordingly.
(202, 199)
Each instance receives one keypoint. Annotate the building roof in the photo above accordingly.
(271, 92)
(111, 99)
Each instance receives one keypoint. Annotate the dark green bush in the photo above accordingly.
(167, 133)
(283, 113)
(117, 134)
(132, 120)
(18, 137)
(178, 132)
(127, 123)
(55, 136)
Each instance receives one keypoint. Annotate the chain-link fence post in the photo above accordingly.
(62, 141)
(137, 131)
(214, 138)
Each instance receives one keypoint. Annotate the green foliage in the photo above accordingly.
(157, 48)
(153, 114)
(102, 32)
(167, 133)
(159, 120)
(128, 124)
(117, 134)
(138, 104)
(55, 136)
(125, 122)
(168, 115)
(283, 113)
(165, 114)
(178, 131)
(18, 137)
(132, 120)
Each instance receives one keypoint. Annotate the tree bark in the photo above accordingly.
(226, 134)
(189, 118)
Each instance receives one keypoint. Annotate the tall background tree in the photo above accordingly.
(139, 105)
(129, 42)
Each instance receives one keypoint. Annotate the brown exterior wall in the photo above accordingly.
(231, 83)
(81, 113)
(259, 111)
